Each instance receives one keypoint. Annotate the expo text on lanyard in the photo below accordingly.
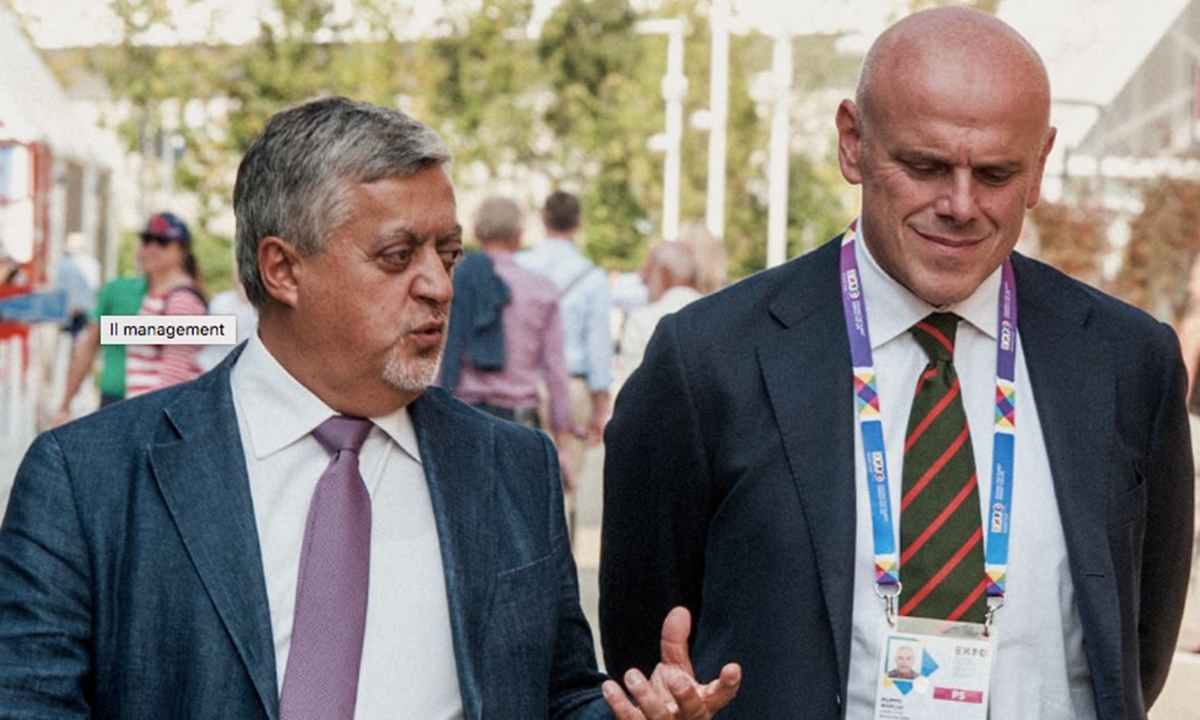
(887, 560)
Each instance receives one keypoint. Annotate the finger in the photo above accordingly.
(687, 697)
(651, 703)
(718, 693)
(619, 703)
(674, 645)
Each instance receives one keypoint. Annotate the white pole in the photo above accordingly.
(714, 218)
(674, 89)
(781, 83)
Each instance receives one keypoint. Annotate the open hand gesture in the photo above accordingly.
(672, 692)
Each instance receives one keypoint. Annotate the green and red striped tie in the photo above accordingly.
(941, 539)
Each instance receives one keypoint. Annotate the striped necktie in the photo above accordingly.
(941, 538)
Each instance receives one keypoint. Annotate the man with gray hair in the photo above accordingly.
(307, 531)
(506, 336)
(671, 274)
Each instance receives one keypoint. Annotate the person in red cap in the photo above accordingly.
(167, 285)
(172, 288)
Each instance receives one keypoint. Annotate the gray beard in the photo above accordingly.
(411, 375)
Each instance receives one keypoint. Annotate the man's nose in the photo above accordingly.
(958, 199)
(433, 281)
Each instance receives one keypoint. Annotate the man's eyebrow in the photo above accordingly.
(455, 233)
(412, 237)
(913, 157)
(1011, 166)
(922, 156)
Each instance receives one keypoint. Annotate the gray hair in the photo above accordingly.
(677, 258)
(295, 179)
(499, 219)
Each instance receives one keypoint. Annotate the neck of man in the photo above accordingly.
(312, 369)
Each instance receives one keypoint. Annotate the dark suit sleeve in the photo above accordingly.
(45, 616)
(656, 500)
(1168, 475)
(574, 683)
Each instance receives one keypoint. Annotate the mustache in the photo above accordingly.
(435, 315)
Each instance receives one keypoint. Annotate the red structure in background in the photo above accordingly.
(30, 275)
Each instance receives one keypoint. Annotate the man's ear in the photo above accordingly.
(849, 127)
(277, 262)
(1035, 188)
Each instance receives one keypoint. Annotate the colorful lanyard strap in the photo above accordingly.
(887, 559)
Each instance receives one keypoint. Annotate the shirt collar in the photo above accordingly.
(892, 308)
(280, 411)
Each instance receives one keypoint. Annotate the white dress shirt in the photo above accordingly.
(1040, 669)
(408, 666)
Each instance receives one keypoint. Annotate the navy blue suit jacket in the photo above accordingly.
(729, 485)
(131, 584)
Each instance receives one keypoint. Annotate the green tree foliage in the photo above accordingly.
(574, 105)
(481, 83)
(304, 48)
(987, 6)
(604, 108)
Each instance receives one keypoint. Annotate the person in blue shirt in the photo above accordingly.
(585, 306)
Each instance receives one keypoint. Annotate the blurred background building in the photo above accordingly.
(56, 177)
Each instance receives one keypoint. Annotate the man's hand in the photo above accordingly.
(60, 417)
(601, 410)
(672, 692)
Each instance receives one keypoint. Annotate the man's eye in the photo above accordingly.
(451, 257)
(995, 177)
(923, 169)
(397, 257)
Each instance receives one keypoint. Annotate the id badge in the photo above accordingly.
(933, 669)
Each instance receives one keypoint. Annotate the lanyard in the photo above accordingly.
(887, 560)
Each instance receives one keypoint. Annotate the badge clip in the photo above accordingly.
(991, 613)
(889, 593)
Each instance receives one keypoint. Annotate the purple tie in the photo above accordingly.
(321, 681)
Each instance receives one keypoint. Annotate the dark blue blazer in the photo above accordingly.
(729, 485)
(131, 584)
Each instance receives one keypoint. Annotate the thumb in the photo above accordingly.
(675, 631)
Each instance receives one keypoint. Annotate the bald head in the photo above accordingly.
(948, 138)
(952, 47)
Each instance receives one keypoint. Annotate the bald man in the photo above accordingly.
(773, 465)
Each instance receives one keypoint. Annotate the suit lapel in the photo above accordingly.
(806, 368)
(202, 476)
(1077, 409)
(457, 460)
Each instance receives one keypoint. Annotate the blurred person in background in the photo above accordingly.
(166, 267)
(670, 274)
(585, 307)
(172, 288)
(712, 260)
(78, 275)
(229, 302)
(505, 336)
(584, 303)
(628, 293)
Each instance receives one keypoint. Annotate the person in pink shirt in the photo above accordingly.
(506, 338)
